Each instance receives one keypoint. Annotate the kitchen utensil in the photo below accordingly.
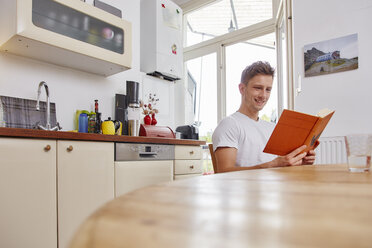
(133, 127)
(108, 127)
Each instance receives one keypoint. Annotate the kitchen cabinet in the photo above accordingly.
(69, 33)
(85, 182)
(187, 161)
(132, 175)
(48, 187)
(28, 206)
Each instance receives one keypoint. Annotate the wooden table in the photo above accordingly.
(302, 206)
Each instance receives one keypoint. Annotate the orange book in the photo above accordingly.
(295, 129)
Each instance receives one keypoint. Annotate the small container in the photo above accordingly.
(133, 127)
(92, 123)
(83, 123)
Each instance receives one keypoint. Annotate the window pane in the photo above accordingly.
(242, 54)
(204, 72)
(225, 16)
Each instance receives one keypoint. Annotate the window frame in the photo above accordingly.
(284, 15)
(218, 45)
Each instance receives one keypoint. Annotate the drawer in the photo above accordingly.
(188, 152)
(179, 177)
(182, 167)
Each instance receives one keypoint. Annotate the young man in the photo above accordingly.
(240, 138)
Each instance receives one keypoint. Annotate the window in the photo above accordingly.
(242, 54)
(225, 16)
(202, 71)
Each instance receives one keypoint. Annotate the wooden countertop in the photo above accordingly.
(61, 135)
(302, 206)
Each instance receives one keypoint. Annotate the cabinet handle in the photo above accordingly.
(191, 167)
(70, 148)
(192, 152)
(47, 148)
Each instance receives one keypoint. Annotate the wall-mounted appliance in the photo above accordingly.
(69, 33)
(161, 39)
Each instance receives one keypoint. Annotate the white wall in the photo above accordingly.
(349, 93)
(72, 89)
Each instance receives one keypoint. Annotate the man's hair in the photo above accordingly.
(257, 68)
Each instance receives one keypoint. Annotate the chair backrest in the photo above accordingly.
(214, 161)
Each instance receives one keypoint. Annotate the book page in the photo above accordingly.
(324, 112)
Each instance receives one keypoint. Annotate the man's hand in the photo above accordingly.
(294, 158)
(309, 158)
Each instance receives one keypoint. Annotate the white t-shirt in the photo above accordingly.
(249, 137)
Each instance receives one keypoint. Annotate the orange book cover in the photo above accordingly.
(295, 129)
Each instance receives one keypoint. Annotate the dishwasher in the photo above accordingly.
(140, 165)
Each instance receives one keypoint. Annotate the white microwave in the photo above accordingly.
(68, 33)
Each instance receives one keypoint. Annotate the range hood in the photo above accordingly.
(163, 75)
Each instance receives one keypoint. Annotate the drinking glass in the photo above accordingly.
(358, 147)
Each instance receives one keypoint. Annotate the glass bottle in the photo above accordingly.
(92, 123)
(96, 106)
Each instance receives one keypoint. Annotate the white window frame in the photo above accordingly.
(284, 15)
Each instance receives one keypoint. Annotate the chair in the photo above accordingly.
(214, 161)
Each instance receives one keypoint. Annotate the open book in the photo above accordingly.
(295, 129)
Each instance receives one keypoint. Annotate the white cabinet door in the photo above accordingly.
(28, 211)
(131, 175)
(85, 182)
(188, 152)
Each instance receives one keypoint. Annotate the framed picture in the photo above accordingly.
(336, 55)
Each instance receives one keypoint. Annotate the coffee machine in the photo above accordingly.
(121, 112)
(127, 108)
(134, 111)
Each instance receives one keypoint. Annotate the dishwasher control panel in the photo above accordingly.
(136, 152)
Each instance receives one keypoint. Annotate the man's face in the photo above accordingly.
(257, 92)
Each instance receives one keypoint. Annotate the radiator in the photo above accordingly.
(331, 150)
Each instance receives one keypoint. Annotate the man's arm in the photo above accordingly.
(226, 158)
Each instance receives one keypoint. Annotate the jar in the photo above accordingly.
(92, 123)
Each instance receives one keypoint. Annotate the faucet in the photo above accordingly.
(47, 127)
